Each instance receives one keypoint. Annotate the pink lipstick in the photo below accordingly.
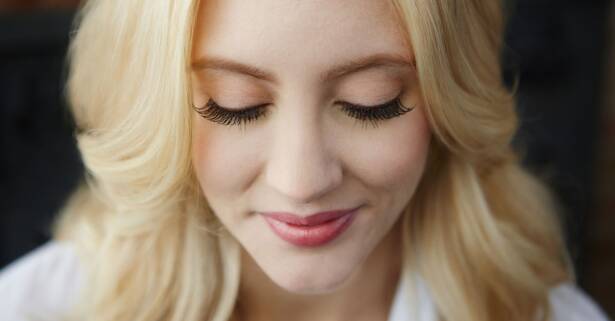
(313, 230)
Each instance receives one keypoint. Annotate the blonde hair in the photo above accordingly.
(481, 230)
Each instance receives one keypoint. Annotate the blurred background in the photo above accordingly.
(562, 53)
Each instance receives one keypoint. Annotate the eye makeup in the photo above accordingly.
(376, 113)
(365, 114)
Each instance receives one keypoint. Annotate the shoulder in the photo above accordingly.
(570, 303)
(41, 284)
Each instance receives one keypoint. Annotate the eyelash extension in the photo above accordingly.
(376, 113)
(365, 114)
(225, 116)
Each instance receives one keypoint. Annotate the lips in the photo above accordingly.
(315, 219)
(313, 230)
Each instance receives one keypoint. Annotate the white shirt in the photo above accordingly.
(569, 303)
(44, 283)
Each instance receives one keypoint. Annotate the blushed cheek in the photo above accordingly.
(395, 157)
(211, 163)
(223, 163)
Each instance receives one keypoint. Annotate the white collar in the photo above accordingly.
(412, 301)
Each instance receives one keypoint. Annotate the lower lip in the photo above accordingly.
(311, 236)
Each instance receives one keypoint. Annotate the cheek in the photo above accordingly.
(222, 162)
(392, 155)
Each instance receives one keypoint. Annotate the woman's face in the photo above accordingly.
(303, 152)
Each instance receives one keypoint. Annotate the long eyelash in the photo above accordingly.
(224, 116)
(375, 114)
(365, 114)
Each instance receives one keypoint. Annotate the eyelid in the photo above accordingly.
(239, 109)
(344, 103)
(360, 106)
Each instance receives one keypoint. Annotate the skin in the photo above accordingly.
(307, 155)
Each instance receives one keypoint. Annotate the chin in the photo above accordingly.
(310, 281)
(309, 288)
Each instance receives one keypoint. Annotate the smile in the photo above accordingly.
(315, 230)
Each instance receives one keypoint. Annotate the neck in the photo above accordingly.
(368, 294)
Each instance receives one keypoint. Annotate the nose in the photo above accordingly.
(301, 166)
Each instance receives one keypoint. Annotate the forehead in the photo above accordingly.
(297, 36)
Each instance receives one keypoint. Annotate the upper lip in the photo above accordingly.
(314, 219)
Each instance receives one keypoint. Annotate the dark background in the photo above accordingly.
(559, 50)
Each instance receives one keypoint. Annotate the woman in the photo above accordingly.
(299, 160)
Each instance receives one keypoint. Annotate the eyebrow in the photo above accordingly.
(371, 61)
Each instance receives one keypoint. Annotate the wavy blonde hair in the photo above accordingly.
(480, 229)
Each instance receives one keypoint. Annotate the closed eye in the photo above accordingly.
(365, 113)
